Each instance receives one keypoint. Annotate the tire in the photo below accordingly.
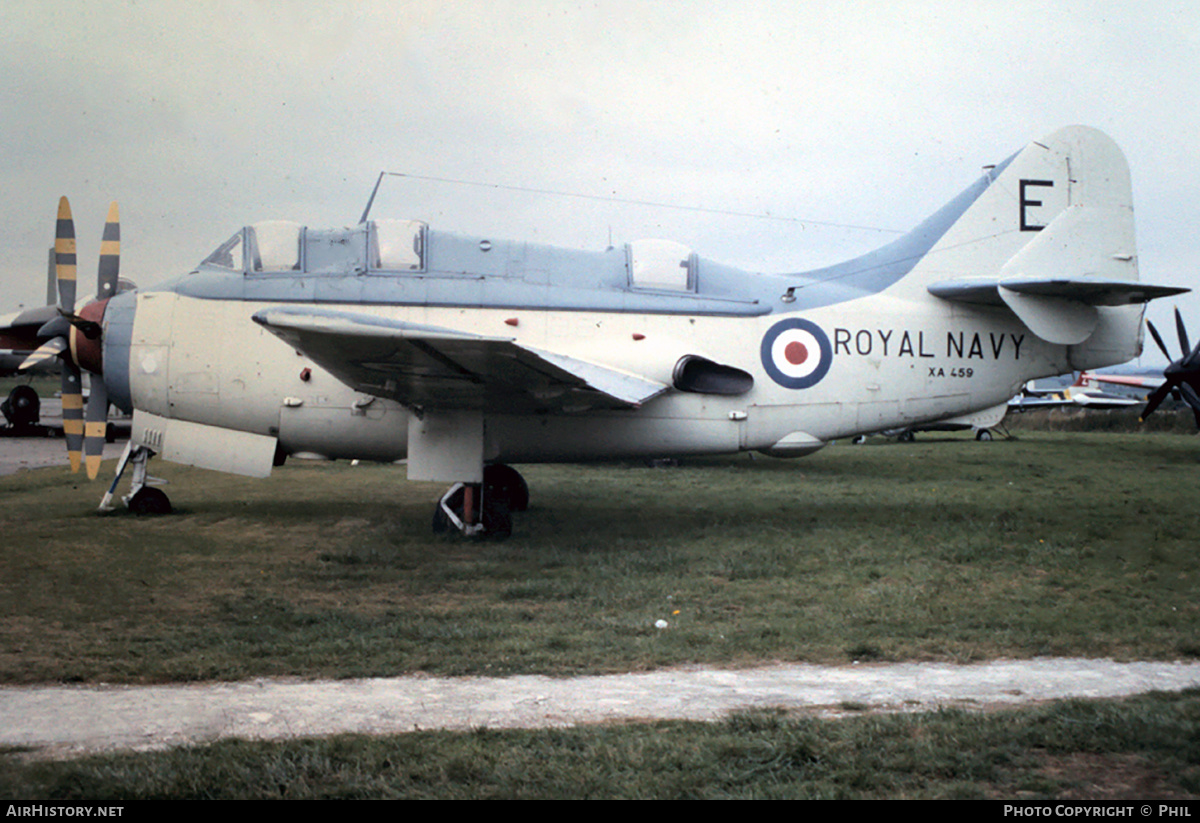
(983, 436)
(441, 523)
(22, 409)
(496, 515)
(497, 520)
(150, 501)
(505, 483)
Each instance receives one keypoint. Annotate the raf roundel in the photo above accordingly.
(796, 353)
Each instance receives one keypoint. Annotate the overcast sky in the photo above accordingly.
(854, 119)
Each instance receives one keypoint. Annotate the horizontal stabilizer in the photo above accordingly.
(1083, 259)
(1087, 291)
(437, 368)
(1058, 310)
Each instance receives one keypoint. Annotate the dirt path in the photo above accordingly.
(59, 721)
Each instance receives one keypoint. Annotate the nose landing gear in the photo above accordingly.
(143, 498)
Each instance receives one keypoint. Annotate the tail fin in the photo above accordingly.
(1076, 175)
(1052, 239)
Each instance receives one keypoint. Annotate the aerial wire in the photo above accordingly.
(612, 199)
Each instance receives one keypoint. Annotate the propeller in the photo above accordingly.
(1180, 375)
(76, 339)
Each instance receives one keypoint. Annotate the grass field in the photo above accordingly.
(1052, 544)
(1143, 748)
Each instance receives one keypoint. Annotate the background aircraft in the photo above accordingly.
(1181, 378)
(981, 423)
(1083, 393)
(391, 340)
(18, 330)
(21, 332)
(19, 338)
(1077, 395)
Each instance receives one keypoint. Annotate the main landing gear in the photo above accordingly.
(483, 509)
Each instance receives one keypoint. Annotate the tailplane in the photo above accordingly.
(1051, 239)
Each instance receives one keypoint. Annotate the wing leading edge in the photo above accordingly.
(437, 368)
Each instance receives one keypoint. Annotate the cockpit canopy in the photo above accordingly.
(280, 246)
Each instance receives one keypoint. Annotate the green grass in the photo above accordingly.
(44, 385)
(1126, 421)
(1146, 747)
(944, 549)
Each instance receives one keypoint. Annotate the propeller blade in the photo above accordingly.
(88, 328)
(47, 351)
(1192, 398)
(64, 257)
(1193, 359)
(59, 326)
(95, 426)
(72, 410)
(1154, 399)
(1183, 338)
(1157, 339)
(110, 255)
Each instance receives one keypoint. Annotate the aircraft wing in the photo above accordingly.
(438, 368)
(18, 337)
(1076, 399)
(1124, 380)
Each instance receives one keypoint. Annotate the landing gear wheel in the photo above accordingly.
(983, 436)
(151, 501)
(441, 521)
(501, 482)
(906, 437)
(22, 409)
(858, 441)
(497, 519)
(495, 516)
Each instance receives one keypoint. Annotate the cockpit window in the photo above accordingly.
(661, 265)
(274, 245)
(397, 245)
(279, 246)
(228, 255)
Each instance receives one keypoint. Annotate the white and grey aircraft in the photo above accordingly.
(389, 339)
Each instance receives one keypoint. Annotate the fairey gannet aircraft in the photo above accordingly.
(389, 339)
